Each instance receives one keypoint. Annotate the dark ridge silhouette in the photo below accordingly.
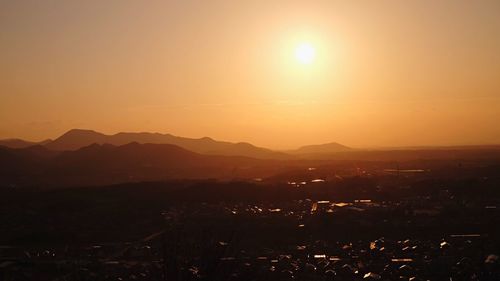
(321, 148)
(101, 164)
(406, 155)
(77, 138)
(19, 143)
(98, 164)
(21, 166)
(35, 153)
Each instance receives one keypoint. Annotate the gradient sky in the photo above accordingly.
(386, 73)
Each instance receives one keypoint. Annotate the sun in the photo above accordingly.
(305, 53)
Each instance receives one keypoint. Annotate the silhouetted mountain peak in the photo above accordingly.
(75, 139)
(245, 144)
(80, 133)
(322, 148)
(207, 139)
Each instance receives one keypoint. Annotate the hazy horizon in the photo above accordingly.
(280, 148)
(368, 74)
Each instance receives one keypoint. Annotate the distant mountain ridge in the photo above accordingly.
(78, 138)
(321, 148)
(19, 143)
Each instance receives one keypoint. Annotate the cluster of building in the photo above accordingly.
(298, 240)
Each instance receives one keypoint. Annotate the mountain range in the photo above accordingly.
(77, 138)
(84, 157)
(87, 157)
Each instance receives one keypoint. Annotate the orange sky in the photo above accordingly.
(386, 73)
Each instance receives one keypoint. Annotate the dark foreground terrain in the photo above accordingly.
(427, 220)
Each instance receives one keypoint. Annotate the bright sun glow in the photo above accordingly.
(305, 53)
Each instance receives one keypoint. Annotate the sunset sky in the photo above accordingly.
(278, 74)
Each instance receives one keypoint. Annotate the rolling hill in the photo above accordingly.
(98, 164)
(321, 148)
